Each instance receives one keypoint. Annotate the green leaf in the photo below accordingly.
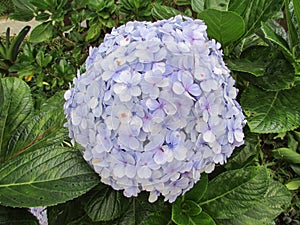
(105, 204)
(199, 189)
(191, 208)
(217, 4)
(183, 2)
(22, 15)
(224, 26)
(291, 29)
(239, 6)
(156, 218)
(23, 5)
(42, 130)
(275, 201)
(178, 215)
(140, 211)
(42, 17)
(296, 168)
(93, 32)
(45, 128)
(24, 10)
(272, 111)
(202, 218)
(41, 5)
(68, 213)
(14, 47)
(286, 154)
(293, 184)
(43, 60)
(45, 176)
(15, 216)
(276, 39)
(256, 68)
(254, 12)
(42, 32)
(16, 105)
(234, 192)
(297, 11)
(197, 5)
(279, 75)
(271, 70)
(163, 12)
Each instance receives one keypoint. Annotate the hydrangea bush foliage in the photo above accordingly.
(155, 108)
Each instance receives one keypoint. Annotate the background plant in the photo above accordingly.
(6, 7)
(261, 47)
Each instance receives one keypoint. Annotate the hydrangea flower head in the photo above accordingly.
(155, 108)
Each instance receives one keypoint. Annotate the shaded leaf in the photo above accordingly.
(24, 10)
(191, 208)
(41, 131)
(234, 192)
(272, 111)
(45, 176)
(202, 218)
(279, 75)
(178, 215)
(16, 105)
(157, 218)
(16, 216)
(140, 211)
(68, 213)
(224, 26)
(296, 168)
(256, 68)
(105, 204)
(44, 128)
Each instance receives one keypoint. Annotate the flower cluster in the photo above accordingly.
(155, 108)
(41, 214)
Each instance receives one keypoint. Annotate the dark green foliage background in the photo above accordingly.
(260, 183)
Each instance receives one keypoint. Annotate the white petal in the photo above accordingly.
(134, 144)
(170, 108)
(152, 104)
(120, 88)
(144, 172)
(130, 171)
(178, 88)
(195, 90)
(238, 135)
(153, 196)
(118, 171)
(208, 136)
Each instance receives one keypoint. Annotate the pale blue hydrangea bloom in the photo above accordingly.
(155, 108)
(41, 214)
